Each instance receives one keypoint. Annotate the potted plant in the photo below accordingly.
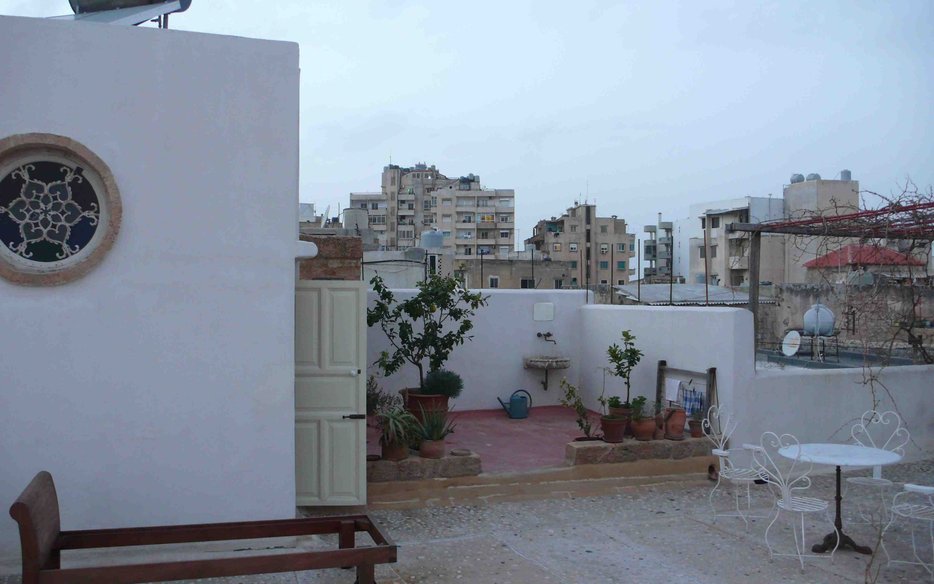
(432, 428)
(572, 399)
(397, 427)
(696, 423)
(424, 329)
(623, 360)
(439, 387)
(643, 422)
(674, 422)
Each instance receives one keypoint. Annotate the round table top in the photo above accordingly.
(841, 454)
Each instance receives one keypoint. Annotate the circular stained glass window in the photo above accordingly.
(59, 209)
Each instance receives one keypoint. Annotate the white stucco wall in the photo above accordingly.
(504, 332)
(688, 338)
(820, 405)
(159, 387)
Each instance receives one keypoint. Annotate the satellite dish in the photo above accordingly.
(791, 343)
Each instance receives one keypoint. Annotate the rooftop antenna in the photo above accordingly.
(125, 12)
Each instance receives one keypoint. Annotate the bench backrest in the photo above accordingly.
(36, 512)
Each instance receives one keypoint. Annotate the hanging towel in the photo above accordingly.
(672, 390)
(693, 400)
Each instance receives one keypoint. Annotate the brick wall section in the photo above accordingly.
(339, 258)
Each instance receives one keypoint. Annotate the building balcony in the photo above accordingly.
(486, 241)
(649, 272)
(739, 262)
(736, 234)
(487, 224)
(664, 241)
(404, 211)
(505, 225)
(406, 197)
(664, 255)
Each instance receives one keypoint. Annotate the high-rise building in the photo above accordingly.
(474, 220)
(597, 249)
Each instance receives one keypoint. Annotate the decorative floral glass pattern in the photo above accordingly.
(48, 211)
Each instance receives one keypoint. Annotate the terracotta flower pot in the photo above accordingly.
(432, 449)
(614, 429)
(697, 428)
(416, 402)
(395, 451)
(625, 413)
(674, 423)
(644, 429)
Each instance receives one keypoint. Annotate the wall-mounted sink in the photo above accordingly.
(546, 363)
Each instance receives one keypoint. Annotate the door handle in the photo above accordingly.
(354, 372)
(355, 417)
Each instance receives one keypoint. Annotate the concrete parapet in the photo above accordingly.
(415, 468)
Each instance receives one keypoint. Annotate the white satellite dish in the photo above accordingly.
(791, 343)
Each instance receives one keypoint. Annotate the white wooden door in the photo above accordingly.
(330, 355)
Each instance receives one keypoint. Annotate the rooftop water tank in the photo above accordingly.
(846, 175)
(355, 218)
(813, 176)
(796, 178)
(819, 320)
(432, 239)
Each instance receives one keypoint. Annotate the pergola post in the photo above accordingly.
(754, 247)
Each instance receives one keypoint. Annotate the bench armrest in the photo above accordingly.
(919, 489)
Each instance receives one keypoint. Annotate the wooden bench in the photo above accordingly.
(42, 541)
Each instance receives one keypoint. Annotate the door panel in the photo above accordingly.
(330, 354)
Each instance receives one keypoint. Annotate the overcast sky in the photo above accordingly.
(642, 107)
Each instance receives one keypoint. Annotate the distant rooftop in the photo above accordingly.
(688, 295)
(856, 254)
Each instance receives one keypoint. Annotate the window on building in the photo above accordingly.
(632, 247)
(445, 218)
(503, 250)
(604, 248)
(363, 205)
(703, 223)
(621, 247)
(505, 203)
(392, 180)
(484, 235)
(604, 265)
(621, 282)
(702, 252)
(504, 234)
(559, 284)
(487, 218)
(603, 228)
(573, 228)
(505, 218)
(714, 222)
(468, 251)
(603, 282)
(446, 233)
(494, 281)
(527, 283)
(713, 251)
(572, 247)
(446, 202)
(426, 205)
(620, 265)
(556, 247)
(378, 220)
(467, 219)
(573, 264)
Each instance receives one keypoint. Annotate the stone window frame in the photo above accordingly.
(19, 145)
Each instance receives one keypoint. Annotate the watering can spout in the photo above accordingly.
(505, 407)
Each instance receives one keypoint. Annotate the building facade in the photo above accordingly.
(597, 250)
(474, 220)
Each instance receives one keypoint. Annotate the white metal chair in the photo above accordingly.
(915, 503)
(790, 477)
(878, 430)
(719, 426)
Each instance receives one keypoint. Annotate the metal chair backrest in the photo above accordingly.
(719, 426)
(788, 474)
(881, 430)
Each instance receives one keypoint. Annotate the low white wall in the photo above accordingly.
(159, 387)
(687, 338)
(504, 332)
(820, 405)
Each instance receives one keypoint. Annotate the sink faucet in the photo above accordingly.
(546, 337)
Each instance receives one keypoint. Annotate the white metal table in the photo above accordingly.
(840, 455)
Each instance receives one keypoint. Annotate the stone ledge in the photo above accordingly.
(416, 468)
(598, 452)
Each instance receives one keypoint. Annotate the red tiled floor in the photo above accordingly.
(507, 445)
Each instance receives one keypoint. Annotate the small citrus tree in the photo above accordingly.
(425, 327)
(624, 359)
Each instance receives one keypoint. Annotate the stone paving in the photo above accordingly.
(661, 531)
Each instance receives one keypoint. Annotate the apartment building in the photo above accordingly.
(474, 220)
(782, 258)
(658, 251)
(598, 250)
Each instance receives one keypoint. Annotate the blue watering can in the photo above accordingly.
(519, 404)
